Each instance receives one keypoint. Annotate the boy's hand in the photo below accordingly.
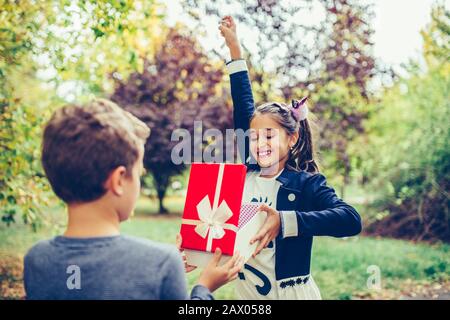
(269, 230)
(215, 276)
(228, 31)
(187, 267)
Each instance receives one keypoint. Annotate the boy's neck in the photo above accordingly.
(92, 219)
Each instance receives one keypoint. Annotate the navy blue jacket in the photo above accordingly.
(304, 197)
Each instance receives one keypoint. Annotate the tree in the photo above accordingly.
(347, 54)
(23, 104)
(272, 23)
(409, 149)
(178, 87)
(46, 45)
(342, 85)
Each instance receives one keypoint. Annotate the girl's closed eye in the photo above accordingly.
(270, 133)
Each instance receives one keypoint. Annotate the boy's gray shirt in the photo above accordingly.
(116, 267)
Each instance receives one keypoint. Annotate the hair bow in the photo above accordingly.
(299, 109)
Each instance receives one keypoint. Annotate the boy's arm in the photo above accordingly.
(174, 282)
(27, 277)
(333, 218)
(200, 292)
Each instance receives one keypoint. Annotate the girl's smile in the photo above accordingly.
(262, 154)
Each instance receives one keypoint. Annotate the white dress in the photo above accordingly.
(257, 280)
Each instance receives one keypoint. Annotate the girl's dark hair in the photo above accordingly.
(302, 156)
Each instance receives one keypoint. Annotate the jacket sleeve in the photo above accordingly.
(243, 103)
(331, 217)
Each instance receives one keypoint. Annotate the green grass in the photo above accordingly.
(339, 266)
(146, 206)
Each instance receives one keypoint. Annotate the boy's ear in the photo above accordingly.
(115, 182)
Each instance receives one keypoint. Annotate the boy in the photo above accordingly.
(92, 156)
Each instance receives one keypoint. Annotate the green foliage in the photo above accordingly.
(23, 188)
(409, 149)
(436, 38)
(45, 47)
(23, 105)
(340, 109)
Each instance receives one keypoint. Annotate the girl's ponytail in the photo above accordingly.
(302, 155)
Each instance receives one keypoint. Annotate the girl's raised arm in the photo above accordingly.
(241, 90)
(241, 93)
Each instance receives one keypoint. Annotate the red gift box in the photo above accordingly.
(211, 211)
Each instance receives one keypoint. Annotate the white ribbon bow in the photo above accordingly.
(212, 220)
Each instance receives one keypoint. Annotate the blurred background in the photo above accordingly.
(378, 77)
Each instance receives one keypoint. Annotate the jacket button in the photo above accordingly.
(291, 197)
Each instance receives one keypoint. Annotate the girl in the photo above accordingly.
(286, 178)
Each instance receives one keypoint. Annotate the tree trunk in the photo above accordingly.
(162, 209)
(161, 184)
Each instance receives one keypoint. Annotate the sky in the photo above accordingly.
(397, 26)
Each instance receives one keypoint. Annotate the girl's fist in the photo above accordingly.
(227, 29)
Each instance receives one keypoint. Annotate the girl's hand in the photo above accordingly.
(228, 31)
(269, 230)
(187, 267)
(215, 276)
